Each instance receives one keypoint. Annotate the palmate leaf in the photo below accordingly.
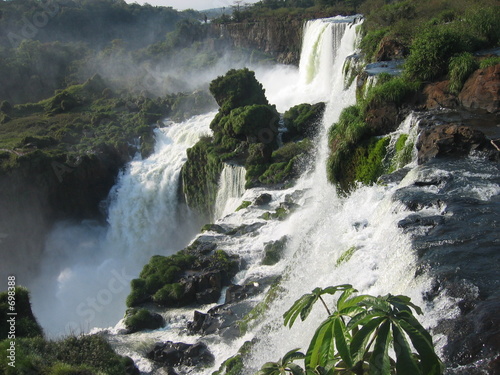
(292, 355)
(321, 349)
(360, 339)
(405, 362)
(364, 317)
(403, 303)
(377, 303)
(303, 306)
(342, 340)
(380, 363)
(422, 342)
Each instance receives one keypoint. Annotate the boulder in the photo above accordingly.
(382, 119)
(449, 140)
(482, 90)
(437, 96)
(263, 199)
(180, 354)
(390, 49)
(142, 319)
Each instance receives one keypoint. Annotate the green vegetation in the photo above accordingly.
(245, 130)
(234, 365)
(25, 322)
(461, 67)
(163, 280)
(345, 256)
(141, 319)
(243, 205)
(489, 61)
(356, 337)
(403, 150)
(84, 355)
(86, 119)
(158, 279)
(302, 121)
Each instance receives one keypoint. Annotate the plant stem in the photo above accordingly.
(324, 304)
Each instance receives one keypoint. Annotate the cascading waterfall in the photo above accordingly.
(231, 188)
(87, 268)
(330, 239)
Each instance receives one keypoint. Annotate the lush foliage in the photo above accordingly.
(301, 121)
(357, 335)
(84, 355)
(26, 323)
(237, 88)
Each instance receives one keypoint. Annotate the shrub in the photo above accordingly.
(489, 61)
(431, 51)
(461, 67)
(169, 294)
(391, 90)
(356, 337)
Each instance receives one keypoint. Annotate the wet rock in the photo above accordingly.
(417, 221)
(437, 96)
(391, 49)
(449, 140)
(263, 199)
(245, 229)
(482, 90)
(180, 354)
(214, 228)
(393, 178)
(474, 335)
(236, 293)
(273, 251)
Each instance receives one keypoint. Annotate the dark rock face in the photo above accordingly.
(263, 199)
(180, 354)
(449, 140)
(382, 119)
(280, 38)
(482, 90)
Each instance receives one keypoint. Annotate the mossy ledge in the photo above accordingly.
(245, 132)
(194, 275)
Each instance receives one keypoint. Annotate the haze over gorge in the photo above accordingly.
(178, 187)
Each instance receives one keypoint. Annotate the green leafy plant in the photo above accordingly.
(357, 335)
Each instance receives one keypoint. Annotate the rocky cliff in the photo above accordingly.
(280, 38)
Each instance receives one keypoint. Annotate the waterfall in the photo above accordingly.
(87, 268)
(231, 188)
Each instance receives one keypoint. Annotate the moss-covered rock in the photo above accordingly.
(200, 176)
(302, 121)
(237, 88)
(273, 251)
(142, 319)
(193, 275)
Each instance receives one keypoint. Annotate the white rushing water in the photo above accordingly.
(325, 228)
(86, 269)
(231, 188)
